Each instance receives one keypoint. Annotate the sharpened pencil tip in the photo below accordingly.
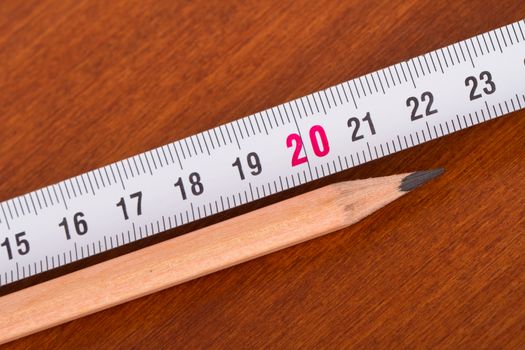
(418, 178)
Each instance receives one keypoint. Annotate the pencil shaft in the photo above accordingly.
(192, 255)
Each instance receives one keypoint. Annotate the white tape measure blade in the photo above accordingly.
(332, 130)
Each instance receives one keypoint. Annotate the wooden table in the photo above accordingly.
(86, 83)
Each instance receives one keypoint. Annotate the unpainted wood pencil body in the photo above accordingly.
(193, 255)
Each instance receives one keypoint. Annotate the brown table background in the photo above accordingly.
(85, 83)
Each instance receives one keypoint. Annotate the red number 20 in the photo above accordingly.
(317, 138)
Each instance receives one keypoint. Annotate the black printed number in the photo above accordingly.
(122, 204)
(355, 123)
(254, 163)
(472, 82)
(196, 185)
(22, 245)
(426, 97)
(80, 225)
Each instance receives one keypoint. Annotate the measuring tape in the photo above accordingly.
(332, 130)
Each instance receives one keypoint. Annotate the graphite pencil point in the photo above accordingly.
(418, 178)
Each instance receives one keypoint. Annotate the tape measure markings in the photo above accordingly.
(251, 141)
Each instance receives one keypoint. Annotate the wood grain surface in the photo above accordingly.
(85, 83)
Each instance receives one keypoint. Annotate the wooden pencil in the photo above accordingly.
(199, 253)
